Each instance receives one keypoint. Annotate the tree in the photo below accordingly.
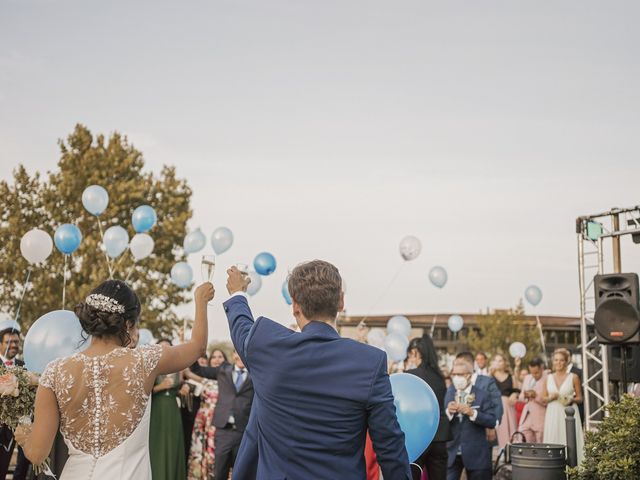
(500, 328)
(33, 202)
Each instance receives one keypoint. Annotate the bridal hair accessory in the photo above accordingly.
(104, 303)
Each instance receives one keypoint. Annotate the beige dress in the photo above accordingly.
(104, 412)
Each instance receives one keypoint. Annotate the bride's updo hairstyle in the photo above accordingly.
(109, 311)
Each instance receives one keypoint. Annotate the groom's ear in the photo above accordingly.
(295, 306)
(341, 303)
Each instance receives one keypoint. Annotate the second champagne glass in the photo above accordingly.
(208, 267)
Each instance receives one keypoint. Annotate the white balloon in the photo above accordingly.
(116, 240)
(533, 294)
(455, 323)
(255, 284)
(517, 349)
(376, 337)
(36, 246)
(145, 337)
(396, 346)
(95, 199)
(194, 241)
(399, 324)
(221, 240)
(410, 248)
(141, 246)
(438, 276)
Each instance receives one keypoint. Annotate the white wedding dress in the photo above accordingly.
(104, 412)
(554, 419)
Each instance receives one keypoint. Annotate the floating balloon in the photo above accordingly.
(145, 337)
(115, 240)
(256, 283)
(533, 294)
(455, 323)
(6, 323)
(396, 346)
(400, 325)
(410, 248)
(438, 276)
(182, 274)
(144, 218)
(517, 350)
(285, 292)
(264, 263)
(36, 246)
(417, 410)
(95, 199)
(67, 238)
(376, 337)
(141, 246)
(194, 241)
(221, 240)
(54, 335)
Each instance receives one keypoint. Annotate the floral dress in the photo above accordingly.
(202, 455)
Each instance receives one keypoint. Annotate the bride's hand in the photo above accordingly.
(204, 293)
(22, 434)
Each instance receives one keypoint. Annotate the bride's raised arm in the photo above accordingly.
(181, 356)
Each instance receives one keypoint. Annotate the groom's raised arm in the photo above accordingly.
(240, 321)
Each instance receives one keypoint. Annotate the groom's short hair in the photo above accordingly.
(317, 287)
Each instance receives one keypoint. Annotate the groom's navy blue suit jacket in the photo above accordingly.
(316, 394)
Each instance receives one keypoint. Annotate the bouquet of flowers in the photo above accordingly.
(18, 395)
(565, 400)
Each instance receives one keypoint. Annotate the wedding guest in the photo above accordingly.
(571, 367)
(481, 367)
(189, 405)
(520, 404)
(562, 389)
(423, 362)
(166, 437)
(508, 386)
(532, 392)
(202, 454)
(470, 412)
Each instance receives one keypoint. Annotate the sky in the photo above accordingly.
(333, 129)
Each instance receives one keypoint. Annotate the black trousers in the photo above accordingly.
(22, 466)
(7, 444)
(455, 470)
(434, 460)
(227, 442)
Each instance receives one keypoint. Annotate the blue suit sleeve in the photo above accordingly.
(241, 324)
(496, 399)
(387, 438)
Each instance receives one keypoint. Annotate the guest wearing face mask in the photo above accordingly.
(423, 362)
(470, 412)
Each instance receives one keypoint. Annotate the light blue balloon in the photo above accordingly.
(144, 218)
(455, 322)
(533, 294)
(182, 274)
(438, 276)
(255, 284)
(67, 238)
(285, 292)
(54, 335)
(115, 240)
(264, 263)
(417, 410)
(194, 241)
(145, 337)
(399, 324)
(221, 240)
(95, 199)
(396, 345)
(7, 323)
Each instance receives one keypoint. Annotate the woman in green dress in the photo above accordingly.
(166, 437)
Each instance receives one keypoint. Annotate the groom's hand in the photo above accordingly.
(237, 282)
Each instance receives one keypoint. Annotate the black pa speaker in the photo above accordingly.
(632, 366)
(617, 317)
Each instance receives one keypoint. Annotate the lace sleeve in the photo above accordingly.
(48, 377)
(150, 357)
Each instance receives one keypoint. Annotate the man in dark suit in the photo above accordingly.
(572, 368)
(470, 413)
(316, 392)
(231, 415)
(9, 348)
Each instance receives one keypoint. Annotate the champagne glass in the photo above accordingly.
(208, 267)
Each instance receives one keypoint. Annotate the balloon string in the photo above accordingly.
(433, 324)
(106, 255)
(384, 292)
(130, 271)
(544, 348)
(64, 282)
(15, 320)
(122, 255)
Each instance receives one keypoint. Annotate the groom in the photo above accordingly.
(316, 394)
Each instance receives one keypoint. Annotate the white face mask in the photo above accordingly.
(411, 366)
(459, 382)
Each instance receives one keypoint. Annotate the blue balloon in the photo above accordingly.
(438, 276)
(115, 240)
(67, 238)
(95, 199)
(396, 345)
(221, 240)
(264, 263)
(455, 323)
(182, 274)
(54, 335)
(255, 284)
(144, 218)
(285, 292)
(533, 294)
(417, 410)
(399, 324)
(194, 241)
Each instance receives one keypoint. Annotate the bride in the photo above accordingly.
(100, 398)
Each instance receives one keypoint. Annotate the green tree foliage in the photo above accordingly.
(31, 201)
(613, 452)
(500, 328)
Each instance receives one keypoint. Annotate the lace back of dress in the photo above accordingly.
(101, 399)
